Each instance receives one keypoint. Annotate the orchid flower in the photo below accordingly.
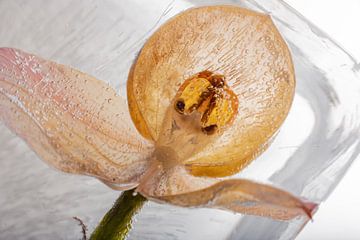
(206, 94)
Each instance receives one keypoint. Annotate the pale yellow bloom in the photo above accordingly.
(79, 124)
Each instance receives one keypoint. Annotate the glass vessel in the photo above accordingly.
(312, 151)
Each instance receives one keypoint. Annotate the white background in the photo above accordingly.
(338, 217)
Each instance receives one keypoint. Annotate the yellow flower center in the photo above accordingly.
(208, 94)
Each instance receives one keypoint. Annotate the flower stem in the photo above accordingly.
(117, 222)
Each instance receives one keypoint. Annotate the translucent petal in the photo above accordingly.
(73, 121)
(135, 113)
(240, 44)
(177, 187)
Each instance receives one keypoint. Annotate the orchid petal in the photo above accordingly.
(135, 112)
(73, 121)
(177, 187)
(240, 44)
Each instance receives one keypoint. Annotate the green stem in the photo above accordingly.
(117, 222)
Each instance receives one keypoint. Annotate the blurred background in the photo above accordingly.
(338, 215)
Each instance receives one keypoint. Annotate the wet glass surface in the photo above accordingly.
(314, 148)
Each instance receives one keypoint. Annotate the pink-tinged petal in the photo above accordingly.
(177, 187)
(73, 121)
